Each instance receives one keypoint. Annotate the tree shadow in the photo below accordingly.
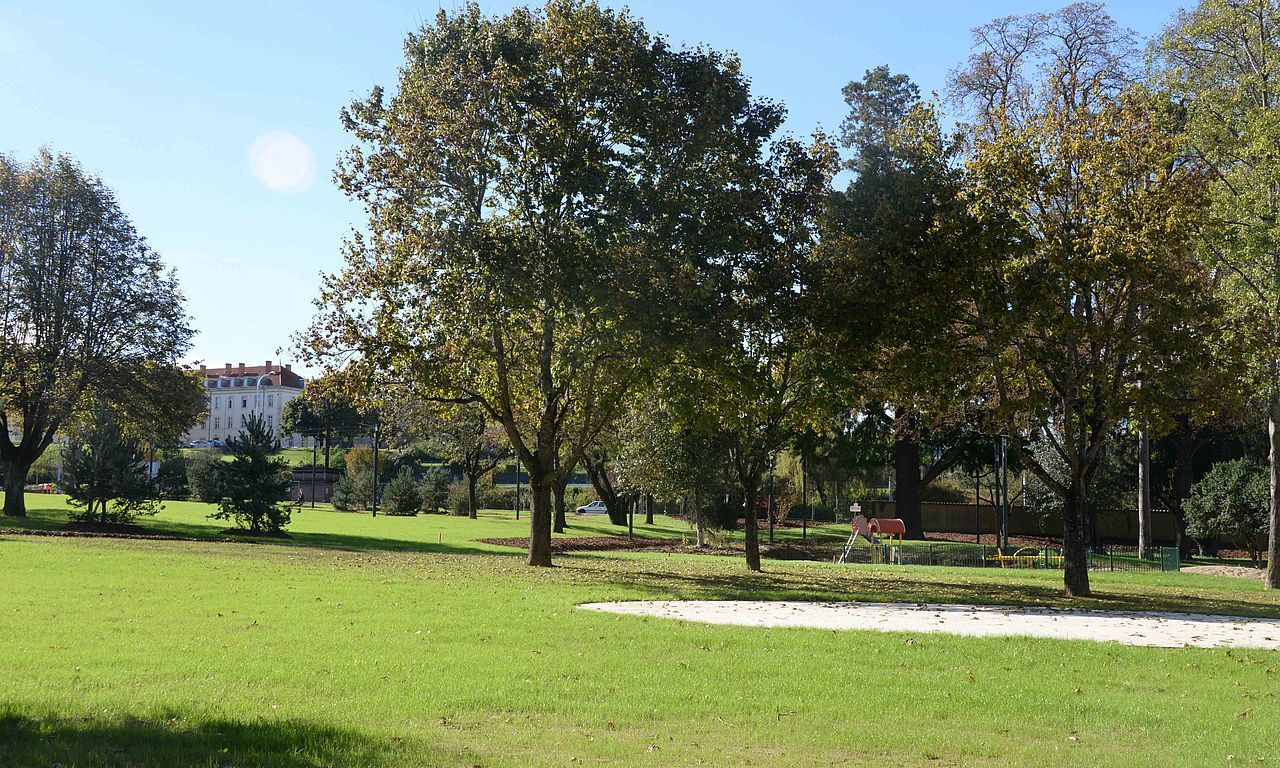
(54, 521)
(179, 743)
(837, 585)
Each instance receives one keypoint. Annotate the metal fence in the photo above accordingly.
(988, 556)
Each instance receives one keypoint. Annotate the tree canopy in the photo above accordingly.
(86, 309)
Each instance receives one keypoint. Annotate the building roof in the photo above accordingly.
(278, 375)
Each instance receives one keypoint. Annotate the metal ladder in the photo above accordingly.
(848, 548)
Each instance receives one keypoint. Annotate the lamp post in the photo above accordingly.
(376, 425)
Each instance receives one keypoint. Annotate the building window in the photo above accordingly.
(271, 401)
(217, 422)
(244, 402)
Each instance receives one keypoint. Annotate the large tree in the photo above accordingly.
(1089, 283)
(86, 308)
(893, 277)
(544, 190)
(465, 435)
(1223, 58)
(763, 381)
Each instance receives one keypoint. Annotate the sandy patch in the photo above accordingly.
(1167, 630)
(1226, 570)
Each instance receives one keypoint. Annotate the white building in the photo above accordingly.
(235, 392)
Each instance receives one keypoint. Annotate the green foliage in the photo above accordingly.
(88, 314)
(878, 107)
(358, 460)
(401, 496)
(254, 483)
(204, 476)
(105, 474)
(550, 219)
(353, 492)
(1232, 502)
(434, 489)
(458, 501)
(172, 475)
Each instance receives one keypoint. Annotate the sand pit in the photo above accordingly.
(1167, 630)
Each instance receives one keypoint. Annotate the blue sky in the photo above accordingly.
(165, 100)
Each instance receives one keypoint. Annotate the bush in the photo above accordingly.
(435, 490)
(171, 475)
(402, 496)
(945, 494)
(353, 493)
(106, 475)
(204, 480)
(457, 502)
(489, 497)
(255, 484)
(1232, 502)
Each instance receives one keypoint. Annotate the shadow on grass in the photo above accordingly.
(689, 582)
(56, 520)
(175, 743)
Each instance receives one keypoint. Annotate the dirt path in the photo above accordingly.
(1168, 630)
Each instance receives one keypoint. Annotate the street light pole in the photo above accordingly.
(376, 426)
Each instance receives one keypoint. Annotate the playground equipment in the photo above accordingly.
(883, 534)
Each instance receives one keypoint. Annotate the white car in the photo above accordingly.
(594, 508)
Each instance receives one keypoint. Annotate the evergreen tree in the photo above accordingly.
(402, 496)
(255, 484)
(105, 474)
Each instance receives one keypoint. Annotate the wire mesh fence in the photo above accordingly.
(1111, 558)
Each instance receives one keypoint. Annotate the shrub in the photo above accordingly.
(171, 476)
(353, 493)
(255, 484)
(490, 497)
(204, 479)
(402, 496)
(1232, 502)
(106, 475)
(457, 501)
(435, 490)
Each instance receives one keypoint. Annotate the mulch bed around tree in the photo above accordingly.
(81, 534)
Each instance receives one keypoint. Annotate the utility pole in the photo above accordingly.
(314, 455)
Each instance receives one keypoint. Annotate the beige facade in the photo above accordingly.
(235, 392)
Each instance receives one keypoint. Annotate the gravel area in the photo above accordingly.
(1167, 630)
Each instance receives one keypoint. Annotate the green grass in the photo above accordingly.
(402, 641)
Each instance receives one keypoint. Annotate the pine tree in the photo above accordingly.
(255, 484)
(105, 474)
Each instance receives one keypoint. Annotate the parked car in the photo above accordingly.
(596, 507)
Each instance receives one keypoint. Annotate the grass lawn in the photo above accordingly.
(402, 641)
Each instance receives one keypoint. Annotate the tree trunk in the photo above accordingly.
(473, 504)
(1144, 493)
(540, 516)
(558, 486)
(752, 527)
(15, 481)
(599, 475)
(648, 509)
(1075, 558)
(1273, 542)
(906, 473)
